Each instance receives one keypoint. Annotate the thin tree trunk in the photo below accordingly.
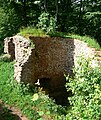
(80, 18)
(24, 12)
(56, 4)
(45, 5)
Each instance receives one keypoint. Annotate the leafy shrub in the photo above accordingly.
(92, 24)
(86, 88)
(9, 23)
(47, 22)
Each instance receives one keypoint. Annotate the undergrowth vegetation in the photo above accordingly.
(35, 105)
(85, 102)
(86, 89)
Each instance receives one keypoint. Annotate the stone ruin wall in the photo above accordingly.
(50, 57)
(45, 57)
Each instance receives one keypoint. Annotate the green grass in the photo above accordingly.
(20, 95)
(29, 31)
(91, 42)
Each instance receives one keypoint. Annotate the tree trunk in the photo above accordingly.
(24, 13)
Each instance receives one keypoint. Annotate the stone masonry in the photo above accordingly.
(45, 58)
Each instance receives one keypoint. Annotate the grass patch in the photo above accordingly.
(29, 31)
(21, 95)
(91, 42)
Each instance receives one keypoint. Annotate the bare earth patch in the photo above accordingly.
(8, 112)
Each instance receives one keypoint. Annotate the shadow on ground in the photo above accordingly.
(6, 114)
(10, 113)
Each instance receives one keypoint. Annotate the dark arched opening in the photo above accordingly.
(59, 93)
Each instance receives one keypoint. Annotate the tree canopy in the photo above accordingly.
(72, 16)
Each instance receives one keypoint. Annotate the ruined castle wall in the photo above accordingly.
(51, 57)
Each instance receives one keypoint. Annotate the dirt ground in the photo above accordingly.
(10, 113)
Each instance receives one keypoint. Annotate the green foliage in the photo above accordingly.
(9, 23)
(86, 89)
(30, 31)
(93, 21)
(47, 22)
(58, 34)
(21, 95)
(43, 21)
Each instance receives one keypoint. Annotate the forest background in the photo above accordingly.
(81, 17)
